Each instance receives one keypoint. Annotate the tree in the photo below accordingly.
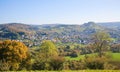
(47, 51)
(101, 42)
(13, 52)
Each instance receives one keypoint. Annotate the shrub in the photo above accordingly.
(57, 63)
(74, 65)
(95, 62)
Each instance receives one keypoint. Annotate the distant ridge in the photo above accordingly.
(110, 24)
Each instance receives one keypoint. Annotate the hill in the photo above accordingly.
(58, 32)
(110, 24)
(14, 30)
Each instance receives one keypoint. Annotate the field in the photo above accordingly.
(115, 56)
(81, 71)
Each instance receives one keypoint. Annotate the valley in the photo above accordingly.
(69, 47)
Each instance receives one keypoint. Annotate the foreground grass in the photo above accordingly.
(91, 71)
(77, 71)
(115, 56)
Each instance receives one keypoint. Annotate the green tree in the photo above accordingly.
(101, 41)
(47, 51)
(13, 52)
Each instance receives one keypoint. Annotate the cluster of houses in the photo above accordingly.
(35, 40)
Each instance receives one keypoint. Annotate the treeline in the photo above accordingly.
(15, 55)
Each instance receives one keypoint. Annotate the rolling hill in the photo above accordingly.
(63, 32)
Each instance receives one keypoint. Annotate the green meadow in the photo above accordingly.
(114, 56)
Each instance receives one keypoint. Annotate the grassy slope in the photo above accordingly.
(115, 56)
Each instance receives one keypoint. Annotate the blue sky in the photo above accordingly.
(59, 11)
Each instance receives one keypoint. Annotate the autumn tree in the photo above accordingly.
(13, 52)
(101, 41)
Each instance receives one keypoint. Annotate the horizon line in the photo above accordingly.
(59, 23)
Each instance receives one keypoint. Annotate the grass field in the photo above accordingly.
(115, 56)
(80, 71)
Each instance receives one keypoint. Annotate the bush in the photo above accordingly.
(113, 65)
(57, 63)
(74, 65)
(40, 65)
(74, 54)
(95, 62)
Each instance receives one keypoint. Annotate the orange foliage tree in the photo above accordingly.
(14, 52)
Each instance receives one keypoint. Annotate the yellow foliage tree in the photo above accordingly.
(14, 52)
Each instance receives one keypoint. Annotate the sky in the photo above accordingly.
(59, 11)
